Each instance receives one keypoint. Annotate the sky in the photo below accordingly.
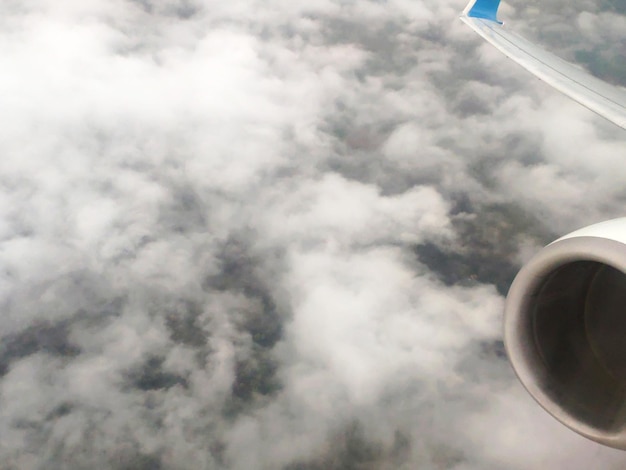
(278, 234)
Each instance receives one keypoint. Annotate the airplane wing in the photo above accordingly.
(606, 100)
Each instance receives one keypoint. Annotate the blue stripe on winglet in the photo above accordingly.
(487, 9)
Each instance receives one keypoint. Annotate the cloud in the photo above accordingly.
(278, 234)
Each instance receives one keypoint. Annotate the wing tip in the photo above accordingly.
(484, 9)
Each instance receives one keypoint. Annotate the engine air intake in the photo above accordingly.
(565, 330)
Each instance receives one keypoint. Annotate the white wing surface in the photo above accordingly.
(605, 99)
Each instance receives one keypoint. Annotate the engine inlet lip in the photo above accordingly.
(520, 344)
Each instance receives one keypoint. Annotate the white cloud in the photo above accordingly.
(210, 215)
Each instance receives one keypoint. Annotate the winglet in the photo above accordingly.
(487, 9)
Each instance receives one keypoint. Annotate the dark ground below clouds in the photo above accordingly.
(489, 241)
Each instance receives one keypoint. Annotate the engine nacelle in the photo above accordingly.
(565, 330)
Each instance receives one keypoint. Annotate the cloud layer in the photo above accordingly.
(277, 234)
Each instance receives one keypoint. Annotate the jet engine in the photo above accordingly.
(565, 330)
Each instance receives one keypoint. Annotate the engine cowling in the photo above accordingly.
(565, 330)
